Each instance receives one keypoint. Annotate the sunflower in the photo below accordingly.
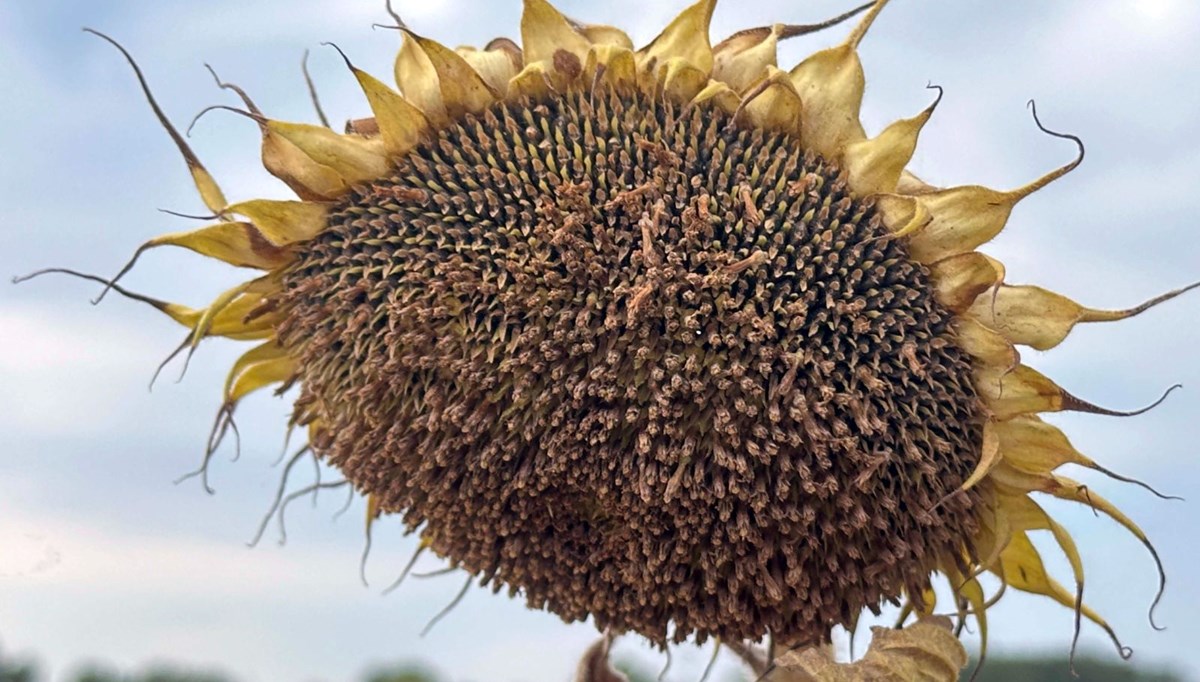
(658, 337)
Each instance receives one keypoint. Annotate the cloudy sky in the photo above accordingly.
(103, 558)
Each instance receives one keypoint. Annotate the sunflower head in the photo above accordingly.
(660, 337)
(612, 354)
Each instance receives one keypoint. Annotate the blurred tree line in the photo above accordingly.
(1052, 669)
(997, 670)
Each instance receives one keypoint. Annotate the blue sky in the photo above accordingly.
(105, 558)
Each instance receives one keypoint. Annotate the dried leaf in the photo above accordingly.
(924, 652)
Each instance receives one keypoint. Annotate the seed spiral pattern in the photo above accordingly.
(638, 362)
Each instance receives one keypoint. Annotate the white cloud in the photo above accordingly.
(60, 370)
(71, 554)
(1116, 46)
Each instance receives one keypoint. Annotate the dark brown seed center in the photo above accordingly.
(635, 362)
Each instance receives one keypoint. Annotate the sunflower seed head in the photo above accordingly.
(640, 363)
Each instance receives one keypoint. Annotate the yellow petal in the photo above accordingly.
(928, 602)
(270, 350)
(720, 95)
(206, 186)
(614, 64)
(240, 320)
(545, 31)
(284, 222)
(774, 104)
(969, 589)
(185, 316)
(681, 81)
(203, 326)
(860, 30)
(912, 185)
(998, 267)
(262, 375)
(1017, 483)
(741, 59)
(988, 459)
(497, 64)
(1064, 489)
(965, 218)
(239, 244)
(1021, 567)
(463, 89)
(374, 512)
(973, 592)
(985, 345)
(1067, 489)
(310, 180)
(1041, 319)
(235, 243)
(245, 319)
(533, 82)
(402, 125)
(315, 427)
(830, 84)
(685, 39)
(1022, 390)
(994, 533)
(355, 159)
(959, 280)
(903, 215)
(1031, 445)
(924, 605)
(258, 368)
(237, 314)
(875, 165)
(418, 80)
(1027, 515)
(372, 516)
(599, 34)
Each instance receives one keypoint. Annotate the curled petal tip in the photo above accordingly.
(1055, 174)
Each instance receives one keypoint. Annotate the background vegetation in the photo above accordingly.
(997, 670)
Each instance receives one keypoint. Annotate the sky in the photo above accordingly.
(105, 558)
